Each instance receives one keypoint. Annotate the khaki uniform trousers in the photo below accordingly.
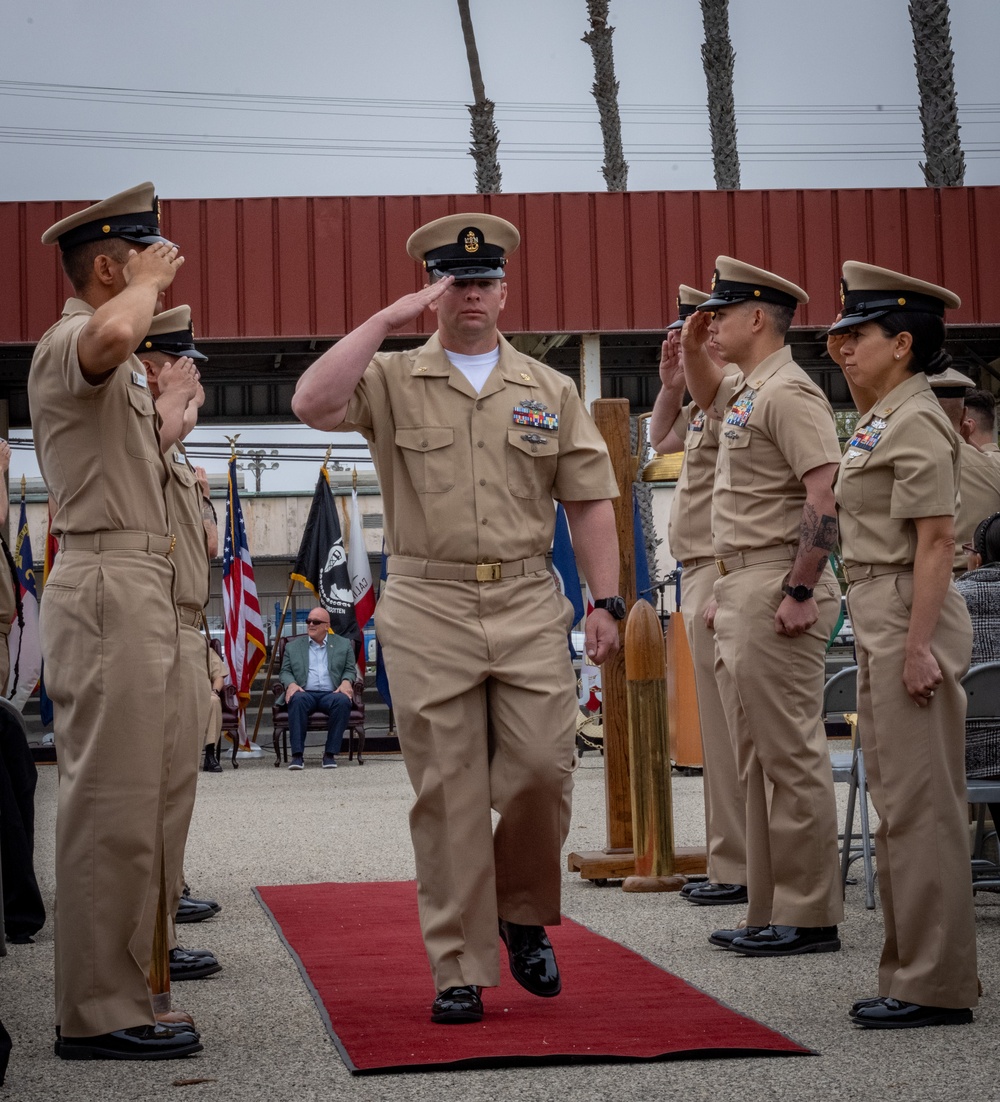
(915, 761)
(484, 696)
(213, 729)
(725, 808)
(193, 690)
(109, 639)
(772, 689)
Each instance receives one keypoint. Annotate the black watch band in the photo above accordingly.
(614, 605)
(798, 593)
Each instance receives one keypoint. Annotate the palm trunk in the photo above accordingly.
(485, 136)
(605, 90)
(935, 64)
(717, 57)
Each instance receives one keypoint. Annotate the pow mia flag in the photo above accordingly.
(321, 564)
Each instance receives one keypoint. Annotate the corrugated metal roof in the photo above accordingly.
(589, 262)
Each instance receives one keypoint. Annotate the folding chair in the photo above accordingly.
(982, 691)
(840, 698)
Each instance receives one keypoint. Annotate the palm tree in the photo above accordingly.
(935, 63)
(717, 59)
(605, 90)
(485, 137)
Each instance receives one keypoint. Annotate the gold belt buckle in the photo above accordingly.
(173, 544)
(487, 572)
(720, 565)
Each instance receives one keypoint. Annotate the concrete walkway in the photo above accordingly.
(264, 1038)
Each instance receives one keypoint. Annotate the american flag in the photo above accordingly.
(245, 647)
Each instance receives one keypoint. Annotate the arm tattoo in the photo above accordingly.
(208, 514)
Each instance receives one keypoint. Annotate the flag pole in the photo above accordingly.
(277, 636)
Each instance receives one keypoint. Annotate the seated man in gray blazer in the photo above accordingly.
(318, 673)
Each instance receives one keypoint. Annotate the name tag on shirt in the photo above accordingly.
(139, 378)
(180, 459)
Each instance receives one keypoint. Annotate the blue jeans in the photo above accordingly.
(337, 707)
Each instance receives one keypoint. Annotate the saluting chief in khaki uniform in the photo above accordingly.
(171, 338)
(472, 441)
(108, 623)
(773, 525)
(979, 472)
(674, 426)
(896, 495)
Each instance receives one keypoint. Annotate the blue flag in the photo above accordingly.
(642, 582)
(381, 677)
(564, 564)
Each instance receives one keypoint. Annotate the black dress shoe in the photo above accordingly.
(893, 1014)
(725, 938)
(855, 1007)
(788, 941)
(691, 886)
(717, 895)
(455, 1005)
(144, 1042)
(189, 966)
(532, 959)
(212, 763)
(195, 910)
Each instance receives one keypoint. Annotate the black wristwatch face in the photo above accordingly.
(614, 605)
(798, 593)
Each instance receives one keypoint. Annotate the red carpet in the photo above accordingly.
(359, 949)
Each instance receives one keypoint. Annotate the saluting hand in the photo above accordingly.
(834, 341)
(181, 377)
(157, 263)
(695, 331)
(671, 369)
(408, 307)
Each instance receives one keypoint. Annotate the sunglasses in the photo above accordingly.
(313, 623)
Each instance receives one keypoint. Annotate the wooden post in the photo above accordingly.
(649, 746)
(615, 861)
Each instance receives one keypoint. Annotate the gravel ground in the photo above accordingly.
(264, 1038)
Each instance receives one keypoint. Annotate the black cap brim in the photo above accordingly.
(850, 320)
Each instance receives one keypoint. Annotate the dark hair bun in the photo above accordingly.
(939, 362)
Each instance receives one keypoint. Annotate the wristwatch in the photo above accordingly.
(614, 605)
(798, 593)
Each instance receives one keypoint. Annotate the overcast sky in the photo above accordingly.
(335, 98)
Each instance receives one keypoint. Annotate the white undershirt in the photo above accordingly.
(475, 368)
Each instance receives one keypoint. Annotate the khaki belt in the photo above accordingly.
(463, 571)
(189, 617)
(691, 564)
(117, 541)
(860, 572)
(779, 552)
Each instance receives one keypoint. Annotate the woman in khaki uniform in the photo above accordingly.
(896, 492)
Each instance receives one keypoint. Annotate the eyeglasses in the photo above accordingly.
(968, 548)
(313, 623)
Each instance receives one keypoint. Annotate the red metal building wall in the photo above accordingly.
(589, 262)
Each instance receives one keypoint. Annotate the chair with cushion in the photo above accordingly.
(840, 699)
(317, 720)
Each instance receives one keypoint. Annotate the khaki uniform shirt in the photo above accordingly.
(8, 603)
(979, 496)
(902, 463)
(689, 530)
(190, 554)
(777, 425)
(104, 471)
(463, 477)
